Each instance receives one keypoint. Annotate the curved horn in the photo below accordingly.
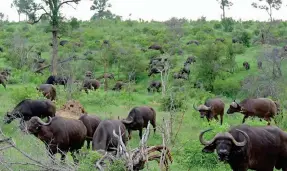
(239, 144)
(195, 107)
(125, 121)
(204, 142)
(43, 123)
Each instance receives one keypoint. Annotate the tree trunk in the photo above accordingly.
(105, 74)
(55, 50)
(223, 11)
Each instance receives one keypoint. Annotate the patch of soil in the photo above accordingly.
(72, 109)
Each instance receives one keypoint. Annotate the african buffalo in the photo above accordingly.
(60, 135)
(246, 65)
(90, 84)
(285, 48)
(91, 122)
(48, 90)
(154, 85)
(138, 119)
(259, 64)
(196, 42)
(190, 60)
(1, 49)
(260, 107)
(248, 147)
(28, 108)
(156, 47)
(236, 40)
(180, 75)
(61, 80)
(3, 80)
(63, 42)
(219, 40)
(107, 75)
(103, 138)
(211, 109)
(118, 86)
(88, 74)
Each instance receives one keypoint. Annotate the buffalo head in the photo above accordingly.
(224, 143)
(35, 123)
(203, 110)
(234, 107)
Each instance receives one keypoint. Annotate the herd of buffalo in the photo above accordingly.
(244, 147)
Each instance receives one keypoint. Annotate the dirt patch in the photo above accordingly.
(72, 109)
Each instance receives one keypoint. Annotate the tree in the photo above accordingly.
(21, 6)
(223, 5)
(1, 16)
(101, 7)
(268, 6)
(50, 8)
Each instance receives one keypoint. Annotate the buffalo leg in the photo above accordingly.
(221, 119)
(88, 144)
(4, 85)
(154, 126)
(140, 133)
(245, 117)
(130, 132)
(63, 157)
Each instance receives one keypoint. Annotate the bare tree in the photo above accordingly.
(50, 9)
(223, 5)
(268, 6)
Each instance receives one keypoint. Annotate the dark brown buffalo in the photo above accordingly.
(156, 47)
(107, 75)
(246, 65)
(63, 42)
(57, 80)
(104, 139)
(190, 60)
(285, 48)
(180, 75)
(48, 90)
(211, 109)
(88, 74)
(219, 40)
(246, 147)
(3, 80)
(260, 107)
(196, 42)
(138, 119)
(91, 122)
(118, 86)
(154, 85)
(28, 108)
(90, 84)
(259, 64)
(60, 135)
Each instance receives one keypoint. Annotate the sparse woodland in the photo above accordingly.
(33, 50)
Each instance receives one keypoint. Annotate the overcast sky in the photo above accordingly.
(163, 9)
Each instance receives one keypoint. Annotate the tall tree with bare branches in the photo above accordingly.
(223, 5)
(50, 9)
(268, 6)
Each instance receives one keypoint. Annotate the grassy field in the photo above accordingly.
(186, 149)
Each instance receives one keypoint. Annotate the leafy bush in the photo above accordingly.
(217, 26)
(25, 92)
(243, 36)
(87, 160)
(175, 101)
(228, 24)
(74, 23)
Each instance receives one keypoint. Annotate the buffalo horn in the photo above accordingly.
(43, 123)
(204, 142)
(127, 121)
(195, 107)
(240, 144)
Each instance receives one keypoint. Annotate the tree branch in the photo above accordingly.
(36, 21)
(66, 2)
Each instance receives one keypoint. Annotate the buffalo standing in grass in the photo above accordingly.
(59, 134)
(3, 80)
(28, 108)
(91, 122)
(103, 138)
(156, 47)
(48, 90)
(196, 42)
(118, 86)
(138, 119)
(245, 147)
(154, 85)
(211, 109)
(260, 107)
(90, 84)
(246, 65)
(107, 75)
(60, 80)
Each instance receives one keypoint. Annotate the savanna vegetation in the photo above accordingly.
(108, 44)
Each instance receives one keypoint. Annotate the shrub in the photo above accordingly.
(175, 101)
(228, 24)
(74, 23)
(243, 36)
(25, 92)
(217, 26)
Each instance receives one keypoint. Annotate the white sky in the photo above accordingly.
(163, 9)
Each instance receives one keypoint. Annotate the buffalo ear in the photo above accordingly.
(208, 149)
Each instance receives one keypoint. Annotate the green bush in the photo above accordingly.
(243, 36)
(217, 26)
(25, 92)
(228, 24)
(175, 101)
